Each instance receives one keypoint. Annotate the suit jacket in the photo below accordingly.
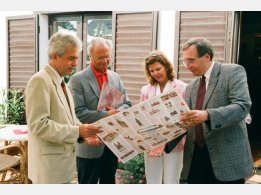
(149, 91)
(86, 93)
(52, 129)
(228, 102)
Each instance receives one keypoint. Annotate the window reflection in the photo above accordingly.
(65, 25)
(98, 28)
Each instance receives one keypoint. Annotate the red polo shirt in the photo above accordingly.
(100, 77)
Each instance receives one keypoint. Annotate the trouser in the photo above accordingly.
(102, 170)
(164, 169)
(201, 171)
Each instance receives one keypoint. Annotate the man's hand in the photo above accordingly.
(93, 141)
(111, 110)
(88, 133)
(194, 117)
(157, 151)
(87, 130)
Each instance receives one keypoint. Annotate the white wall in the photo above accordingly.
(166, 33)
(43, 40)
(3, 41)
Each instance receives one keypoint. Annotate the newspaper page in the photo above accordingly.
(145, 126)
(110, 96)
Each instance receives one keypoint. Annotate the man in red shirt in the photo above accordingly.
(95, 164)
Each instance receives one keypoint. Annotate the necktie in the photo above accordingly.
(199, 135)
(65, 92)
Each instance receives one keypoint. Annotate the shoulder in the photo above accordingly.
(39, 81)
(40, 76)
(180, 86)
(113, 74)
(78, 76)
(232, 69)
(179, 83)
(146, 88)
(146, 92)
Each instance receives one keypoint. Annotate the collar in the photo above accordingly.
(56, 74)
(96, 73)
(208, 73)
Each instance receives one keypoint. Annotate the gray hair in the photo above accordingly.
(60, 41)
(203, 46)
(98, 40)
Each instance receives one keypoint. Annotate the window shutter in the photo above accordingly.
(22, 50)
(134, 37)
(215, 26)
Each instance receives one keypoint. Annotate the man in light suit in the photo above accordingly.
(95, 164)
(53, 127)
(221, 154)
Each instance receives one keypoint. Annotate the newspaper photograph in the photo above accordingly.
(145, 126)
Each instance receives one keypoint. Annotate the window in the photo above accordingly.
(86, 25)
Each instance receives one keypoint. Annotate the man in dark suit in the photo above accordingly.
(95, 163)
(217, 149)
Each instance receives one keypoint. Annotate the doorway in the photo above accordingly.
(250, 58)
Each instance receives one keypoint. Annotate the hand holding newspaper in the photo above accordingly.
(145, 126)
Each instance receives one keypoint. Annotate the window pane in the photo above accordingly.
(65, 25)
(98, 28)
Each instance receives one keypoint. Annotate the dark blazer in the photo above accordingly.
(228, 102)
(85, 90)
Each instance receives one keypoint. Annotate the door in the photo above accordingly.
(250, 58)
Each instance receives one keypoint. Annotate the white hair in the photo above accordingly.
(60, 41)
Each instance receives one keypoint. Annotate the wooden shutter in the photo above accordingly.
(215, 26)
(134, 37)
(22, 53)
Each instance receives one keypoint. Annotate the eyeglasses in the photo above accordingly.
(190, 61)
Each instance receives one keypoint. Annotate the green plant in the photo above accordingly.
(12, 106)
(132, 172)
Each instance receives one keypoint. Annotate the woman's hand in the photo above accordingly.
(157, 151)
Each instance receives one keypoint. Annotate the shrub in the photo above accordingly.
(132, 172)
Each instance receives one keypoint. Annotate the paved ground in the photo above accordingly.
(256, 178)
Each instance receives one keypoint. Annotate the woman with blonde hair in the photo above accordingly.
(162, 167)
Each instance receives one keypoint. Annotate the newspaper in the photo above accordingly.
(145, 126)
(109, 96)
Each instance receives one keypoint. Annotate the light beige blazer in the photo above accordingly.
(52, 129)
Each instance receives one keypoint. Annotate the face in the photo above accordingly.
(66, 63)
(158, 72)
(197, 65)
(100, 57)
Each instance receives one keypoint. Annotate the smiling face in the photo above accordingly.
(66, 63)
(158, 72)
(100, 57)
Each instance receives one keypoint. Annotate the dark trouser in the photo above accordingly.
(201, 171)
(102, 169)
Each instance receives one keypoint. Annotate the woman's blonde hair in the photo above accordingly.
(160, 57)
